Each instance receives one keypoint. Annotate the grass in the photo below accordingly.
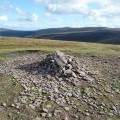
(9, 91)
(8, 45)
(8, 87)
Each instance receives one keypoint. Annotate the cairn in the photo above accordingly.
(64, 67)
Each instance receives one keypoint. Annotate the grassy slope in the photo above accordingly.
(19, 44)
(8, 45)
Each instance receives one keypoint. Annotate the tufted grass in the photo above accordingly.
(8, 45)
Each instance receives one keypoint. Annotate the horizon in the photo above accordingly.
(56, 28)
(40, 14)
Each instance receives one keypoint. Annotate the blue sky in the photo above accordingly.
(39, 14)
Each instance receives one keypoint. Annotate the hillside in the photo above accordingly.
(14, 33)
(87, 34)
(33, 87)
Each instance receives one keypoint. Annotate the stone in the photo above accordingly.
(69, 66)
(25, 87)
(74, 75)
(63, 67)
(56, 112)
(69, 94)
(66, 118)
(88, 78)
(48, 77)
(45, 110)
(49, 115)
(56, 89)
(61, 56)
(13, 105)
(75, 116)
(48, 106)
(67, 108)
(10, 115)
(68, 72)
(82, 74)
(37, 118)
(23, 99)
(70, 59)
(87, 114)
(4, 104)
(18, 106)
(32, 106)
(58, 79)
(43, 114)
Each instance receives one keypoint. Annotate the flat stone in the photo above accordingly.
(68, 72)
(48, 106)
(74, 75)
(87, 114)
(45, 110)
(48, 77)
(60, 58)
(43, 114)
(49, 115)
(67, 108)
(88, 78)
(82, 74)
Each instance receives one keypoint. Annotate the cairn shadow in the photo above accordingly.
(40, 67)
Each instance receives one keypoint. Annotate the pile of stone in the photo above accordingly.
(51, 87)
(64, 67)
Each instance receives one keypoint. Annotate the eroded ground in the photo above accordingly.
(26, 96)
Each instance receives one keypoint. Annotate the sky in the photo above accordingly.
(41, 14)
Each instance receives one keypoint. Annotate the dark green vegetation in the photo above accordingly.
(87, 34)
(102, 59)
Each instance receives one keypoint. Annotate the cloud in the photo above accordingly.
(6, 6)
(29, 18)
(108, 9)
(20, 11)
(20, 14)
(48, 14)
(67, 6)
(35, 17)
(3, 18)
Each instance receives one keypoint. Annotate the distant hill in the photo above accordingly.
(14, 33)
(86, 34)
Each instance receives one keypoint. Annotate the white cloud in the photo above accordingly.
(109, 9)
(48, 14)
(65, 6)
(3, 18)
(20, 11)
(21, 14)
(6, 6)
(29, 18)
(35, 17)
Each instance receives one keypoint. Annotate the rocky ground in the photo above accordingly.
(58, 86)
